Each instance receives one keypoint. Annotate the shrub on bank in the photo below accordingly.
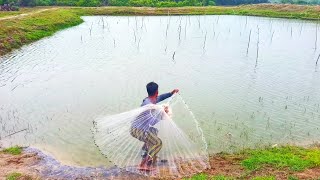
(88, 3)
(16, 150)
(139, 3)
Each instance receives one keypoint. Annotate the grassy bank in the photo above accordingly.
(16, 32)
(16, 150)
(21, 11)
(10, 13)
(288, 162)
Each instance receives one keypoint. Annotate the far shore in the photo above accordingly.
(31, 24)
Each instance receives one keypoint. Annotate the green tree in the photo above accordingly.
(43, 2)
(205, 2)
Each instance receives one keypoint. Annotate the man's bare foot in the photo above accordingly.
(146, 168)
(145, 161)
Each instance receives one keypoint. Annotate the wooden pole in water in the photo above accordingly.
(185, 30)
(204, 42)
(257, 48)
(272, 37)
(174, 53)
(315, 43)
(249, 42)
(139, 43)
(102, 23)
(91, 28)
(318, 59)
(168, 22)
(246, 21)
(16, 132)
(179, 30)
(135, 37)
(300, 29)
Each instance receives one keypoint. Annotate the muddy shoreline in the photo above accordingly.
(33, 163)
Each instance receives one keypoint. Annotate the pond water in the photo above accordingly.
(249, 81)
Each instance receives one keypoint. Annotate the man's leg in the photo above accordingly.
(154, 144)
(139, 134)
(145, 146)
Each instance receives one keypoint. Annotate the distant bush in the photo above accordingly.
(66, 2)
(8, 2)
(212, 3)
(15, 8)
(43, 2)
(167, 4)
(31, 3)
(178, 4)
(238, 2)
(139, 3)
(118, 2)
(88, 3)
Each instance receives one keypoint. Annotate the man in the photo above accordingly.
(142, 127)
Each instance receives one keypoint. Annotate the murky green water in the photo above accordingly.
(244, 94)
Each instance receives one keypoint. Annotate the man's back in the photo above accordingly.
(160, 98)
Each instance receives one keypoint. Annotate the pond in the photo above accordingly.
(249, 81)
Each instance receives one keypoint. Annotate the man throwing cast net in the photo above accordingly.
(162, 140)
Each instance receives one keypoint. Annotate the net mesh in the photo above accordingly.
(162, 140)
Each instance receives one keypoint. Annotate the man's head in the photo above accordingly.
(152, 89)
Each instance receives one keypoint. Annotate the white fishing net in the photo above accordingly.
(166, 136)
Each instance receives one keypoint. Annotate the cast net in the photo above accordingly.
(162, 140)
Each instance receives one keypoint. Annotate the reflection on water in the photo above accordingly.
(249, 81)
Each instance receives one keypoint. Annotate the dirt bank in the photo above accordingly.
(281, 163)
(34, 164)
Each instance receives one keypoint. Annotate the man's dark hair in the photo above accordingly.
(152, 88)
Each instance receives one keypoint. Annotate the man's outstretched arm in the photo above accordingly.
(166, 95)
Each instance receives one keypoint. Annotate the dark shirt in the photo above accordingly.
(160, 98)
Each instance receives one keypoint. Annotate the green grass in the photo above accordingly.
(16, 32)
(264, 178)
(21, 11)
(293, 178)
(16, 150)
(13, 176)
(9, 13)
(294, 158)
(203, 176)
(286, 160)
(200, 176)
(220, 177)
